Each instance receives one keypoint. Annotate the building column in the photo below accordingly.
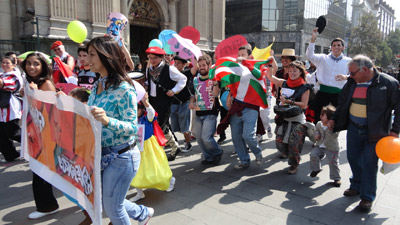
(172, 14)
(124, 10)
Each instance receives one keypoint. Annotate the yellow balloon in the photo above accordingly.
(262, 54)
(77, 31)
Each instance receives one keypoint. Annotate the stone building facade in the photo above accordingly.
(147, 18)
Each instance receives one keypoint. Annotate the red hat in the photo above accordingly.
(56, 44)
(155, 50)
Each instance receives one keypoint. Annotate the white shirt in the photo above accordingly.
(175, 75)
(328, 68)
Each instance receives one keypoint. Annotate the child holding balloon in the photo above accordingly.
(326, 144)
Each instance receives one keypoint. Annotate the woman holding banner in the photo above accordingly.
(38, 75)
(115, 105)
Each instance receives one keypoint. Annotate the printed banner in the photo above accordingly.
(61, 141)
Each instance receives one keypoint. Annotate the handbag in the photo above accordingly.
(5, 97)
(287, 111)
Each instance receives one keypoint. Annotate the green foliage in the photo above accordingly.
(385, 55)
(364, 39)
(393, 40)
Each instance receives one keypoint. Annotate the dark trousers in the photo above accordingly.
(43, 195)
(9, 131)
(323, 99)
(223, 112)
(162, 105)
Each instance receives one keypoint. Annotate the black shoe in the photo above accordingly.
(172, 157)
(221, 139)
(205, 162)
(365, 205)
(314, 173)
(217, 158)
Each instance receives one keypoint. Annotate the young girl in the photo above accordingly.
(152, 144)
(10, 108)
(38, 75)
(327, 144)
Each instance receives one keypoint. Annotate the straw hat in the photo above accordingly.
(288, 52)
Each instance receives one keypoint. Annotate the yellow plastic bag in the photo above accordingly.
(154, 171)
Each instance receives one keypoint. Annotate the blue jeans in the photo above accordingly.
(243, 129)
(180, 117)
(116, 179)
(205, 127)
(363, 162)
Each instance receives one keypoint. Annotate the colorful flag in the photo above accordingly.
(245, 85)
(66, 72)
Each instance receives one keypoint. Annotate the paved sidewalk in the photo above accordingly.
(222, 195)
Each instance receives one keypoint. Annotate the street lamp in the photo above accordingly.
(31, 12)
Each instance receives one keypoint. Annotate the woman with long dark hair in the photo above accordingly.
(38, 75)
(114, 103)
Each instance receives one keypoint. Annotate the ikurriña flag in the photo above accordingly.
(245, 80)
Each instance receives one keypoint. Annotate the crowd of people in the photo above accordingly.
(336, 93)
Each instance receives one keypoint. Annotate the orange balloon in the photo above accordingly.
(388, 149)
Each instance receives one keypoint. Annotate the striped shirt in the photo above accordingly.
(358, 107)
(12, 81)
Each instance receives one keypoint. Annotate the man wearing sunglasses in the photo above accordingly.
(66, 58)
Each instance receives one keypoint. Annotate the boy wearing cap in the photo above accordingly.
(180, 112)
(164, 82)
(65, 57)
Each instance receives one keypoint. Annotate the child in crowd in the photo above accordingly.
(153, 142)
(326, 144)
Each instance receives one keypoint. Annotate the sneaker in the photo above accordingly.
(188, 147)
(259, 160)
(192, 137)
(221, 139)
(145, 221)
(337, 183)
(315, 173)
(241, 166)
(269, 132)
(365, 205)
(37, 215)
(171, 185)
(259, 138)
(139, 195)
(292, 170)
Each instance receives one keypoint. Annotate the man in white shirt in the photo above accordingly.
(331, 69)
(164, 82)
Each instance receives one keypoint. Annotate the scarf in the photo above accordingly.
(336, 59)
(295, 83)
(102, 81)
(155, 73)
